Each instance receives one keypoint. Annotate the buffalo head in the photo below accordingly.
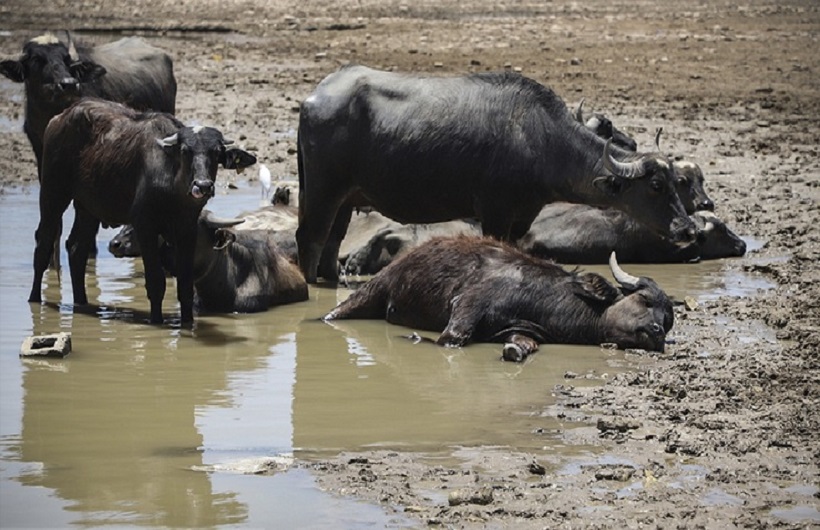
(199, 151)
(689, 182)
(641, 314)
(644, 187)
(603, 127)
(54, 72)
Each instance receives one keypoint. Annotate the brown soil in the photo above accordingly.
(722, 430)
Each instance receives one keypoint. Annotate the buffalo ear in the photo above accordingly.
(237, 159)
(611, 185)
(594, 287)
(224, 238)
(87, 71)
(13, 70)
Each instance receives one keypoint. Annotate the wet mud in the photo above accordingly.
(721, 431)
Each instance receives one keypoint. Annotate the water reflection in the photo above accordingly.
(362, 384)
(115, 432)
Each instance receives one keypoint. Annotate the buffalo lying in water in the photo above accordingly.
(482, 290)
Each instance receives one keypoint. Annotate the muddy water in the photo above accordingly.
(140, 424)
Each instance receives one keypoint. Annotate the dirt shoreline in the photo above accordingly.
(719, 432)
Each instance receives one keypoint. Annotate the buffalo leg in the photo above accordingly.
(154, 275)
(185, 277)
(79, 244)
(465, 315)
(316, 217)
(517, 347)
(51, 215)
(329, 260)
(367, 302)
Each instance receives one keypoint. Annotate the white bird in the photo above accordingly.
(264, 179)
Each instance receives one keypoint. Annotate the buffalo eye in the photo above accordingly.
(657, 185)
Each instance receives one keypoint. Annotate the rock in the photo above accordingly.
(690, 303)
(620, 473)
(618, 424)
(54, 345)
(537, 469)
(481, 496)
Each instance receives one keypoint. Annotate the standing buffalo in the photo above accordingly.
(57, 74)
(578, 233)
(482, 290)
(496, 147)
(121, 166)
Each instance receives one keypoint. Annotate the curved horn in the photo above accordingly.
(225, 141)
(579, 112)
(622, 277)
(631, 170)
(72, 50)
(658, 138)
(168, 141)
(215, 223)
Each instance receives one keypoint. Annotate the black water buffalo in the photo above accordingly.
(374, 241)
(122, 166)
(242, 270)
(689, 182)
(56, 74)
(491, 146)
(578, 233)
(279, 220)
(603, 127)
(475, 289)
(688, 175)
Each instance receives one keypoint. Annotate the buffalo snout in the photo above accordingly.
(684, 231)
(68, 84)
(706, 204)
(203, 188)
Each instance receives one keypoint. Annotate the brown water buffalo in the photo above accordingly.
(122, 166)
(482, 290)
(490, 146)
(578, 233)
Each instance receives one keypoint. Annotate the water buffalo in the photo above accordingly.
(122, 166)
(476, 289)
(57, 74)
(242, 270)
(578, 233)
(491, 146)
(603, 127)
(279, 220)
(688, 175)
(689, 182)
(388, 240)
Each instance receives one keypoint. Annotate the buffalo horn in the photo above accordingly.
(169, 141)
(622, 277)
(225, 141)
(215, 222)
(631, 170)
(72, 50)
(658, 138)
(579, 112)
